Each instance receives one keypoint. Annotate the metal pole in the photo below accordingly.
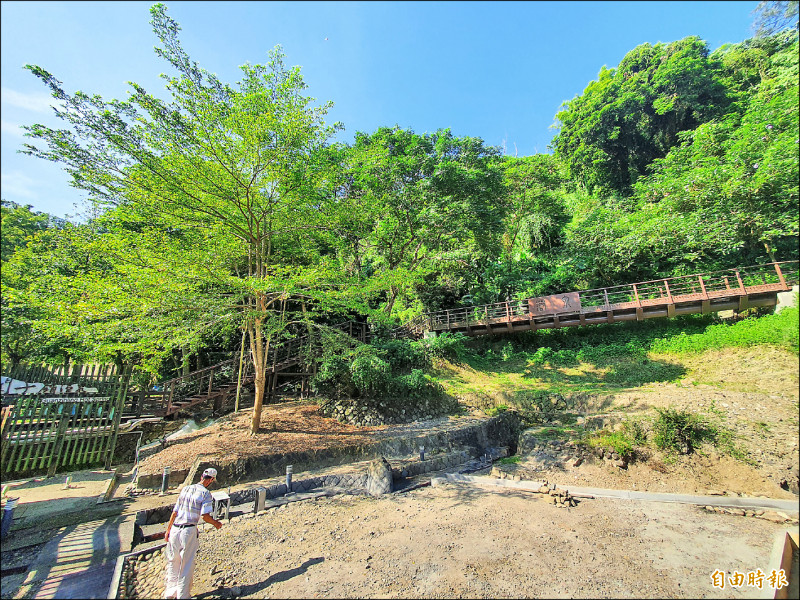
(288, 478)
(165, 480)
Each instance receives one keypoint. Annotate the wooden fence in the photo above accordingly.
(48, 432)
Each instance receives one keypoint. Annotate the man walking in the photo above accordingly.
(195, 502)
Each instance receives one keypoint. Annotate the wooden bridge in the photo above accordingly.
(732, 289)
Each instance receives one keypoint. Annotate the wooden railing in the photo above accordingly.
(778, 276)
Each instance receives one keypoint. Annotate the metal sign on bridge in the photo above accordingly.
(552, 305)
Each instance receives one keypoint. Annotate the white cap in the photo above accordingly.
(210, 472)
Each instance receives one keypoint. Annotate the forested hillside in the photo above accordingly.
(228, 213)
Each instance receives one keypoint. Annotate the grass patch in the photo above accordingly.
(509, 460)
(496, 410)
(618, 441)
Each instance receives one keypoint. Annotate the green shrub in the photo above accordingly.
(447, 345)
(681, 431)
(496, 410)
(371, 374)
(618, 441)
(777, 330)
(635, 431)
(403, 354)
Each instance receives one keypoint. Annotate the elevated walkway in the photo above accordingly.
(733, 289)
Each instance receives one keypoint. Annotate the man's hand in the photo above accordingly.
(211, 520)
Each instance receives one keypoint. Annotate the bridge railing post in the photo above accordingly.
(741, 283)
(780, 276)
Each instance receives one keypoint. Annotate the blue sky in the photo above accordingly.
(494, 70)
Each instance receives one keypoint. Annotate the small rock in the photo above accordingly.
(236, 591)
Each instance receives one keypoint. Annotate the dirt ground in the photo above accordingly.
(471, 542)
(754, 392)
(457, 541)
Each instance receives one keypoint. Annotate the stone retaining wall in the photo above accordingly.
(477, 434)
(143, 574)
(152, 481)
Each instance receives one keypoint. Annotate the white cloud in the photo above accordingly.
(12, 129)
(37, 102)
(16, 184)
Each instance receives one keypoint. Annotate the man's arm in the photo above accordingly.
(169, 525)
(209, 519)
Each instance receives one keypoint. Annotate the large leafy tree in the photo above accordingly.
(20, 227)
(736, 179)
(633, 114)
(422, 201)
(227, 175)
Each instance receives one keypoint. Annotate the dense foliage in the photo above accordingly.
(226, 209)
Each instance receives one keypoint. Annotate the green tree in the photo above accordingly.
(736, 179)
(774, 16)
(633, 114)
(19, 223)
(423, 201)
(229, 174)
(20, 227)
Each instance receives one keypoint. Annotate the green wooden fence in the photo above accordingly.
(47, 433)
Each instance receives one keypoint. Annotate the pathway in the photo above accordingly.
(79, 562)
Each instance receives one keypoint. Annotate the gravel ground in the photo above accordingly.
(465, 541)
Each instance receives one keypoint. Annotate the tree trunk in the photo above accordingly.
(393, 293)
(259, 354)
(185, 356)
(769, 251)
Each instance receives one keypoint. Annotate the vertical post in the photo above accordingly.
(703, 287)
(508, 312)
(636, 296)
(171, 394)
(670, 303)
(165, 480)
(741, 283)
(288, 478)
(705, 305)
(605, 297)
(62, 431)
(780, 277)
(123, 388)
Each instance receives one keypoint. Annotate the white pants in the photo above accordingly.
(181, 551)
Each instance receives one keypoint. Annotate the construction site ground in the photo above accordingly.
(471, 541)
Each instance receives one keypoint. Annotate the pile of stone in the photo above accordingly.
(767, 515)
(610, 456)
(382, 412)
(549, 452)
(143, 574)
(560, 498)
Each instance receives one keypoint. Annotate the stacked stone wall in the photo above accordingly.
(143, 574)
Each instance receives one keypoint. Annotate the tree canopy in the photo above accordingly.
(227, 208)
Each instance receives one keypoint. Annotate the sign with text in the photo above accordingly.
(83, 399)
(551, 305)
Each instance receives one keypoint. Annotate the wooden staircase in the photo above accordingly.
(217, 382)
